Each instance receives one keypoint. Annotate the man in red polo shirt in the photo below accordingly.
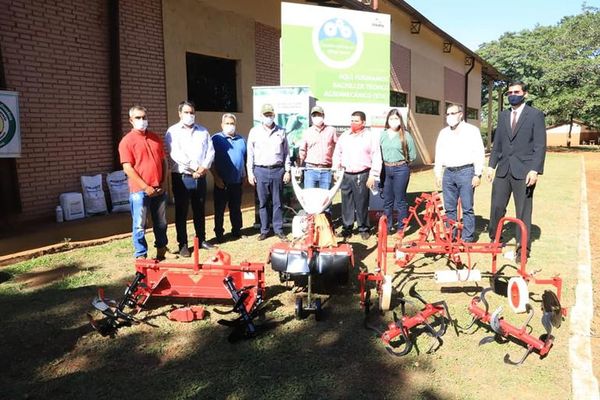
(143, 159)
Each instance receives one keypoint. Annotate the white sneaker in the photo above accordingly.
(510, 255)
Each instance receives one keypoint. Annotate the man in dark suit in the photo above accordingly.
(518, 156)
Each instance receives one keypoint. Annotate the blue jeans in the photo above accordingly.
(394, 194)
(457, 184)
(269, 184)
(140, 203)
(317, 179)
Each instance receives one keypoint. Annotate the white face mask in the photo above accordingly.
(188, 119)
(452, 120)
(268, 121)
(394, 124)
(140, 124)
(317, 120)
(229, 130)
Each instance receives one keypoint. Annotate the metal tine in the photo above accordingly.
(407, 346)
(508, 361)
(453, 322)
(413, 293)
(484, 292)
(547, 322)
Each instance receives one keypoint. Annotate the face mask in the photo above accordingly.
(515, 99)
(356, 126)
(140, 124)
(268, 121)
(188, 119)
(394, 124)
(229, 130)
(452, 120)
(318, 121)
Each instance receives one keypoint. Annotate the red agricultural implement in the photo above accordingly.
(438, 235)
(314, 251)
(216, 278)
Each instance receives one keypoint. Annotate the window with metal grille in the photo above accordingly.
(212, 82)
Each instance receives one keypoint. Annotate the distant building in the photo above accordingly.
(581, 134)
(79, 68)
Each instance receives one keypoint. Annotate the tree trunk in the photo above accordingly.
(570, 129)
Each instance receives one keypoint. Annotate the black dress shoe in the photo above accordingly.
(343, 234)
(262, 236)
(206, 246)
(219, 239)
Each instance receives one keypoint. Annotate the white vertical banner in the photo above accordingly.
(10, 132)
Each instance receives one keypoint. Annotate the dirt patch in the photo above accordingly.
(592, 164)
(41, 278)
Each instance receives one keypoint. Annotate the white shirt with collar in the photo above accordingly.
(459, 146)
(189, 148)
(519, 110)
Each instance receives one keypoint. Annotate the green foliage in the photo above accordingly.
(561, 65)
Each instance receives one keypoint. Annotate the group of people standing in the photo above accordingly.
(368, 157)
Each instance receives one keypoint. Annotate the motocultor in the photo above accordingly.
(400, 335)
(314, 252)
(504, 331)
(217, 278)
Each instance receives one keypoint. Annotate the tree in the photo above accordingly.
(561, 65)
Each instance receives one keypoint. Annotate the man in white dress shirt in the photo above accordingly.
(459, 158)
(191, 154)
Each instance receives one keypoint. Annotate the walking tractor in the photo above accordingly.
(217, 278)
(313, 250)
(438, 235)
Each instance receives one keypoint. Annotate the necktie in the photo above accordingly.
(513, 124)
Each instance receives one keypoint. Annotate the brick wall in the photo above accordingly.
(267, 55)
(55, 55)
(143, 62)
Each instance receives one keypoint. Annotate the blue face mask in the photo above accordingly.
(515, 99)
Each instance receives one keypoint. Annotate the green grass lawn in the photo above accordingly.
(50, 351)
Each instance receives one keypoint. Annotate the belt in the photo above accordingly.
(454, 169)
(318, 165)
(270, 166)
(394, 164)
(359, 172)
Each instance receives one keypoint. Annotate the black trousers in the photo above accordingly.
(230, 196)
(188, 190)
(355, 201)
(502, 188)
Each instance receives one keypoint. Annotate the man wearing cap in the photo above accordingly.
(268, 168)
(358, 152)
(191, 152)
(316, 150)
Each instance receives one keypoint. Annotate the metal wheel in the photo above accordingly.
(385, 296)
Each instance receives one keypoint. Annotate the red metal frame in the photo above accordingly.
(197, 280)
(440, 235)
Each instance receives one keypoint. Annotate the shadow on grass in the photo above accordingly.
(53, 352)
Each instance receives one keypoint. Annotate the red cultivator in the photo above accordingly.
(551, 317)
(433, 319)
(439, 235)
(214, 279)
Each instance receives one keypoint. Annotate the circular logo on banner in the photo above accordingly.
(8, 125)
(337, 43)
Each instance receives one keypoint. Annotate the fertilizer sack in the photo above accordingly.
(119, 191)
(93, 195)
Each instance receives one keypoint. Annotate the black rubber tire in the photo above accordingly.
(299, 311)
(318, 310)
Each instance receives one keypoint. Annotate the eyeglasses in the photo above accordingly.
(453, 113)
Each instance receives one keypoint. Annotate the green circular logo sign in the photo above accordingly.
(8, 125)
